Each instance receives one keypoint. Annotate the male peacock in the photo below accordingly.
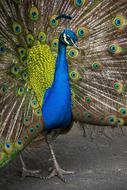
(47, 83)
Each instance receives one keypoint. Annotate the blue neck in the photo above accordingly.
(61, 69)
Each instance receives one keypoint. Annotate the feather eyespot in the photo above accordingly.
(20, 91)
(26, 121)
(88, 116)
(123, 112)
(120, 123)
(25, 75)
(80, 3)
(87, 99)
(17, 28)
(22, 52)
(38, 112)
(38, 125)
(83, 32)
(8, 148)
(119, 87)
(74, 75)
(97, 66)
(112, 120)
(15, 70)
(30, 39)
(54, 44)
(42, 37)
(115, 48)
(53, 22)
(119, 22)
(31, 130)
(34, 103)
(19, 144)
(34, 14)
(73, 53)
(3, 89)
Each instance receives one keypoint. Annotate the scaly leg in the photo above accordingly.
(57, 171)
(29, 173)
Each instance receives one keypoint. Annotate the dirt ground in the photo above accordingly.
(99, 163)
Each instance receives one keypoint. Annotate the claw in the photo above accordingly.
(31, 173)
(56, 170)
(59, 173)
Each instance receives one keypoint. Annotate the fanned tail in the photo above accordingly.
(98, 74)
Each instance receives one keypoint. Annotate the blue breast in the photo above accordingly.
(56, 109)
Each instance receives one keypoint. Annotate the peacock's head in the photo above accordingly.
(69, 38)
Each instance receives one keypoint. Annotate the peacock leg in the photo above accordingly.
(29, 173)
(57, 171)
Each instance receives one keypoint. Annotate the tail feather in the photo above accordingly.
(99, 93)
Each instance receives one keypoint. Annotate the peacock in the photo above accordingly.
(61, 61)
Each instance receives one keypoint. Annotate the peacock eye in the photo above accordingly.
(53, 22)
(68, 38)
(115, 48)
(8, 148)
(3, 89)
(112, 119)
(30, 39)
(54, 44)
(25, 75)
(119, 22)
(123, 112)
(38, 112)
(74, 75)
(83, 32)
(73, 53)
(15, 70)
(38, 125)
(26, 121)
(120, 122)
(116, 85)
(80, 3)
(17, 28)
(42, 37)
(31, 130)
(34, 103)
(22, 52)
(34, 13)
(19, 144)
(20, 91)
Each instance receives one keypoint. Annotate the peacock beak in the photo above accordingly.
(75, 44)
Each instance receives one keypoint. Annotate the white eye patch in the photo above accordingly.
(65, 39)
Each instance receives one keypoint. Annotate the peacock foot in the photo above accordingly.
(57, 171)
(31, 173)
